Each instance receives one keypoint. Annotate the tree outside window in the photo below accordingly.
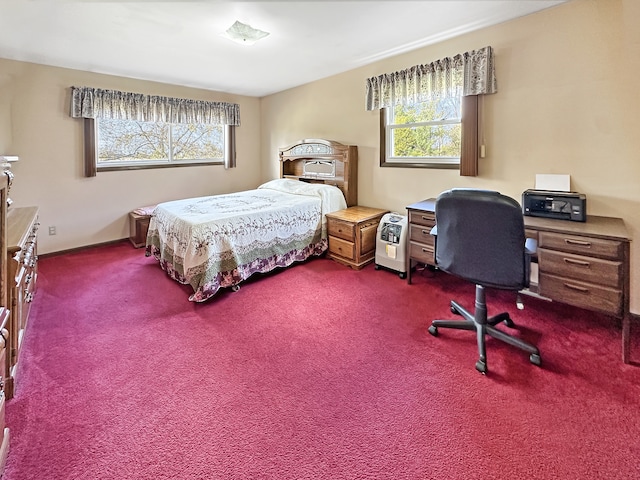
(129, 143)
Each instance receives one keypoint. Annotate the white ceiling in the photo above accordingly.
(179, 42)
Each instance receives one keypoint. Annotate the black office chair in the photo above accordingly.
(480, 237)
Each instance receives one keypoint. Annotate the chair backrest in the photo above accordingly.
(481, 238)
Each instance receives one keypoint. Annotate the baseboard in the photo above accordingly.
(84, 247)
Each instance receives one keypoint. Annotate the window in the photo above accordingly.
(440, 133)
(127, 143)
(429, 133)
(128, 147)
(124, 130)
(434, 134)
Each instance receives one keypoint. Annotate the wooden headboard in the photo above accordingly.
(323, 161)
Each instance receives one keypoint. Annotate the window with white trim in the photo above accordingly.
(442, 138)
(427, 133)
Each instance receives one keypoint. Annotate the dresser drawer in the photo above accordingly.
(342, 248)
(421, 234)
(597, 247)
(581, 294)
(422, 253)
(341, 229)
(588, 269)
(422, 218)
(2, 413)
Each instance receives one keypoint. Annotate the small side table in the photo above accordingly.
(352, 235)
(138, 227)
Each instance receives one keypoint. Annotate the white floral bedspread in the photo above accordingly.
(218, 241)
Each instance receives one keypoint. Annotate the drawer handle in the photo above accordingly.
(582, 243)
(425, 232)
(577, 262)
(576, 287)
(424, 250)
(426, 219)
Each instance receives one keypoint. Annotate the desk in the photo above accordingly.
(584, 264)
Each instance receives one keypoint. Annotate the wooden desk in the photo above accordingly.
(584, 264)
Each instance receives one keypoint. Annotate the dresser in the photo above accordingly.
(4, 320)
(22, 275)
(352, 235)
(584, 264)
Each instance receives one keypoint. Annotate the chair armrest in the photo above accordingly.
(531, 246)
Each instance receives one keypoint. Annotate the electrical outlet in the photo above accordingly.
(52, 230)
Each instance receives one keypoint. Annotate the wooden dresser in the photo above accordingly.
(4, 430)
(352, 235)
(4, 321)
(22, 274)
(584, 264)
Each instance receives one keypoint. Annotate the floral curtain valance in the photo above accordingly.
(87, 102)
(470, 73)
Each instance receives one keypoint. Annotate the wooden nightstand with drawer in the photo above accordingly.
(352, 235)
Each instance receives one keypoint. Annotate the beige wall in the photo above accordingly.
(567, 103)
(35, 124)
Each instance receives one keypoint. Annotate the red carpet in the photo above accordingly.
(315, 372)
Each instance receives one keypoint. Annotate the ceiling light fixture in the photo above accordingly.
(244, 34)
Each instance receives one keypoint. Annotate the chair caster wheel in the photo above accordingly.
(235, 288)
(376, 266)
(535, 359)
(433, 331)
(509, 323)
(481, 367)
(454, 310)
(402, 275)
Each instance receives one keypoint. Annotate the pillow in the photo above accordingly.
(331, 196)
(145, 210)
(286, 185)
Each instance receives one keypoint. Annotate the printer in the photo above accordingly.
(555, 204)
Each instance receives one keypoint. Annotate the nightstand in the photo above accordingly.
(138, 227)
(352, 235)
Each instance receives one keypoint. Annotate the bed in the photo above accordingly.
(218, 241)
